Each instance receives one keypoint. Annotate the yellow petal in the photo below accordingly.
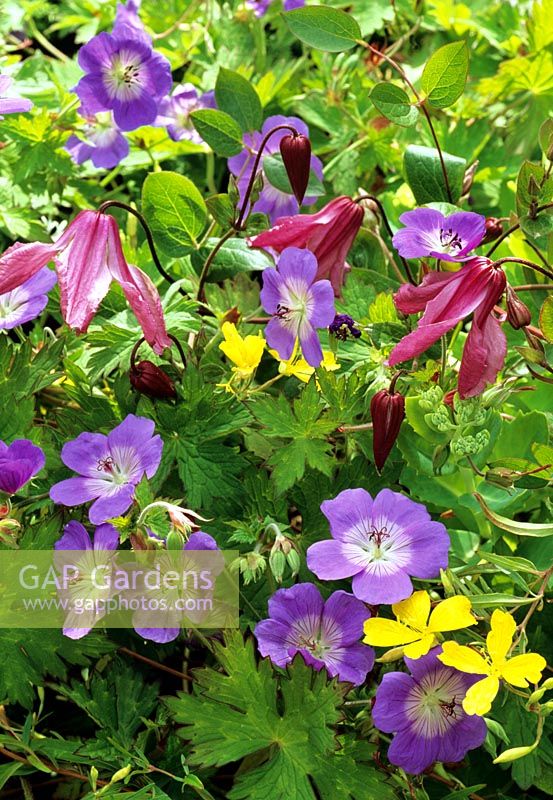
(463, 658)
(500, 638)
(420, 648)
(524, 669)
(329, 362)
(387, 633)
(451, 615)
(414, 611)
(480, 696)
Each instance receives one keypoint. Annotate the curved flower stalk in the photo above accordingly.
(495, 665)
(27, 301)
(88, 256)
(423, 710)
(446, 299)
(416, 628)
(298, 303)
(326, 634)
(109, 467)
(328, 234)
(271, 201)
(381, 543)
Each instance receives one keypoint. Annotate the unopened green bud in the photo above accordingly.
(294, 561)
(175, 540)
(93, 778)
(277, 563)
(504, 478)
(121, 774)
(514, 753)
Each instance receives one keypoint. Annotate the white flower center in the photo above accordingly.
(122, 78)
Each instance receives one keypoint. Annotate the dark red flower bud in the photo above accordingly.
(449, 397)
(152, 381)
(387, 414)
(493, 228)
(518, 313)
(296, 155)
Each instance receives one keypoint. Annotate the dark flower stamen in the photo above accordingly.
(450, 239)
(106, 464)
(282, 311)
(448, 709)
(378, 536)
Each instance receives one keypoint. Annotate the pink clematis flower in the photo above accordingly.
(88, 256)
(446, 298)
(329, 234)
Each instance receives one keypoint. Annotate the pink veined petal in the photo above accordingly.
(139, 290)
(411, 299)
(419, 340)
(483, 356)
(462, 295)
(21, 261)
(81, 265)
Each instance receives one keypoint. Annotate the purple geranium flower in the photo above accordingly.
(126, 17)
(103, 142)
(75, 537)
(19, 462)
(174, 112)
(11, 105)
(381, 543)
(430, 233)
(260, 7)
(271, 201)
(299, 304)
(109, 467)
(424, 712)
(196, 541)
(123, 75)
(325, 633)
(27, 301)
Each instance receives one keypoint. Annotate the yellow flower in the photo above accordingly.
(518, 671)
(416, 627)
(245, 352)
(298, 366)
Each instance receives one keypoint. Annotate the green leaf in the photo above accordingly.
(221, 209)
(283, 729)
(235, 256)
(445, 74)
(325, 28)
(546, 319)
(394, 104)
(237, 97)
(175, 210)
(545, 137)
(509, 563)
(425, 177)
(512, 526)
(221, 132)
(275, 172)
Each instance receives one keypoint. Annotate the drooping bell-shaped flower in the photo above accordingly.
(329, 234)
(88, 256)
(446, 298)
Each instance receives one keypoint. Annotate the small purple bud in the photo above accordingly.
(387, 414)
(152, 381)
(343, 326)
(296, 155)
(518, 313)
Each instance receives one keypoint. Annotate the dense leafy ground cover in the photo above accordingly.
(357, 399)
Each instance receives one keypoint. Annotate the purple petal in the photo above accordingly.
(15, 105)
(310, 345)
(273, 640)
(92, 93)
(432, 539)
(302, 601)
(413, 753)
(350, 509)
(75, 537)
(159, 635)
(271, 293)
(85, 453)
(201, 541)
(96, 54)
(280, 338)
(106, 537)
(134, 114)
(343, 618)
(14, 475)
(74, 491)
(324, 311)
(328, 560)
(384, 583)
(296, 265)
(113, 505)
(388, 712)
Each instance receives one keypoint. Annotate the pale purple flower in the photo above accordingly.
(381, 543)
(174, 112)
(271, 201)
(103, 142)
(428, 232)
(423, 710)
(199, 540)
(75, 537)
(298, 303)
(109, 467)
(27, 301)
(326, 634)
(123, 75)
(11, 105)
(19, 462)
(126, 17)
(260, 7)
